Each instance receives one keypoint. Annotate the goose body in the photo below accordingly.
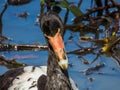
(54, 76)
(24, 78)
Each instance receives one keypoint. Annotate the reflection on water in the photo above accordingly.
(18, 26)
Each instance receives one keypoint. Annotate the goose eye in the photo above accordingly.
(50, 28)
(46, 30)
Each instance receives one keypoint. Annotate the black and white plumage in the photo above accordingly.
(24, 78)
(53, 77)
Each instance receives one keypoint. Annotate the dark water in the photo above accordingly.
(24, 31)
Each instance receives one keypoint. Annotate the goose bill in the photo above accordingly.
(58, 46)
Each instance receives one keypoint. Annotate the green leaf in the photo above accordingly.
(64, 4)
(42, 2)
(56, 9)
(75, 10)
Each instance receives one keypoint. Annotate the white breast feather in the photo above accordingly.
(28, 78)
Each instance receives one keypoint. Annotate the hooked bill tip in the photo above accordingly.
(63, 64)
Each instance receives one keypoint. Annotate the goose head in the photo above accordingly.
(52, 27)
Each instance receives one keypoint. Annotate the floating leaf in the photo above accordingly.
(56, 9)
(112, 42)
(64, 4)
(42, 2)
(75, 10)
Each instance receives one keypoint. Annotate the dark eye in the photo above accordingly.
(46, 28)
(50, 28)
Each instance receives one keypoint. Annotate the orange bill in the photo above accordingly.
(58, 46)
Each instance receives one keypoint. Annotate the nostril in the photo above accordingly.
(64, 56)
